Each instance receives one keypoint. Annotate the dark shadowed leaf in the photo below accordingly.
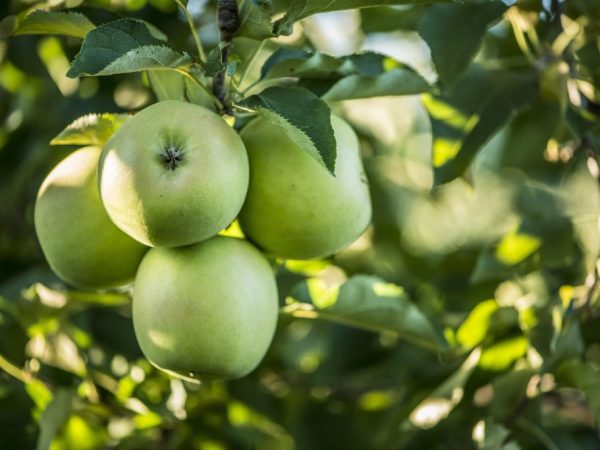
(468, 116)
(305, 118)
(584, 377)
(402, 80)
(255, 19)
(54, 416)
(356, 76)
(513, 386)
(386, 18)
(299, 9)
(443, 399)
(585, 126)
(124, 46)
(454, 34)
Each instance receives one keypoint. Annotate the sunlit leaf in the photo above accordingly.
(475, 327)
(39, 393)
(515, 247)
(65, 23)
(369, 303)
(377, 400)
(501, 355)
(91, 129)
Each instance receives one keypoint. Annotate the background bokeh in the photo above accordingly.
(501, 260)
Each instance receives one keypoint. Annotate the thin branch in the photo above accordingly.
(195, 34)
(229, 22)
(14, 371)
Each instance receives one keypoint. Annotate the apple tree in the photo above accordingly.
(299, 224)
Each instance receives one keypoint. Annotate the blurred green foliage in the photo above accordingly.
(490, 227)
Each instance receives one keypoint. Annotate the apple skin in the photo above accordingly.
(82, 246)
(205, 311)
(174, 174)
(295, 208)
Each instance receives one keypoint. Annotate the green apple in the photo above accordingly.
(81, 244)
(295, 207)
(205, 311)
(174, 174)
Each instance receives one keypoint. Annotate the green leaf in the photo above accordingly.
(213, 63)
(402, 80)
(475, 327)
(510, 390)
(586, 378)
(305, 118)
(501, 355)
(389, 18)
(280, 55)
(167, 85)
(300, 9)
(124, 46)
(197, 90)
(39, 393)
(54, 416)
(300, 64)
(91, 129)
(453, 51)
(363, 75)
(567, 342)
(369, 303)
(463, 120)
(198, 94)
(255, 19)
(68, 23)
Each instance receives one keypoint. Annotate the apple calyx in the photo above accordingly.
(172, 157)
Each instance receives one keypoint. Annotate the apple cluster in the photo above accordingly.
(149, 207)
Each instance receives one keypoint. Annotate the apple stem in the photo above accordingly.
(229, 22)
